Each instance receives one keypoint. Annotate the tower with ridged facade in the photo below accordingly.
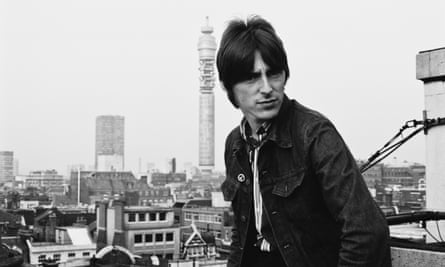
(207, 51)
(110, 143)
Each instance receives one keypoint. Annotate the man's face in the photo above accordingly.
(261, 95)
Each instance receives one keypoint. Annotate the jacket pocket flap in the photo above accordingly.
(229, 189)
(287, 185)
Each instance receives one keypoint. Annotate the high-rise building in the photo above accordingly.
(109, 143)
(207, 50)
(6, 166)
(171, 165)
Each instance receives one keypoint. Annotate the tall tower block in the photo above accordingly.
(109, 143)
(6, 166)
(207, 50)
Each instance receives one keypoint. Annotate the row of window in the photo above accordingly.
(199, 217)
(156, 200)
(163, 193)
(152, 238)
(201, 251)
(193, 251)
(143, 217)
(44, 182)
(57, 256)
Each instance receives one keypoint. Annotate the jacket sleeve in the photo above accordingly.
(364, 231)
(235, 251)
(235, 246)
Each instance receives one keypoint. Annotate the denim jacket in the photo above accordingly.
(314, 197)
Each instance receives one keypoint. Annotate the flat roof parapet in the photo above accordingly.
(146, 208)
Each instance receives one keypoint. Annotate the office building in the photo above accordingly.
(161, 179)
(109, 143)
(142, 230)
(73, 246)
(44, 179)
(6, 166)
(171, 165)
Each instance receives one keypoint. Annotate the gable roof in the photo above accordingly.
(195, 236)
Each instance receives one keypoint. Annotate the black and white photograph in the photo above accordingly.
(222, 133)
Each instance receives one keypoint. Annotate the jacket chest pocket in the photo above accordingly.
(286, 184)
(229, 189)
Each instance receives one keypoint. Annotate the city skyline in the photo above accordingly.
(354, 62)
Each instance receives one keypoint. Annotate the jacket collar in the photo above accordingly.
(279, 131)
(281, 125)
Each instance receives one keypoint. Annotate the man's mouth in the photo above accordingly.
(267, 101)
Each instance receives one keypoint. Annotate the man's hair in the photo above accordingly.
(236, 54)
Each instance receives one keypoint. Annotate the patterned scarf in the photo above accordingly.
(254, 150)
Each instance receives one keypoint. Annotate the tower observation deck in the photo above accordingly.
(207, 50)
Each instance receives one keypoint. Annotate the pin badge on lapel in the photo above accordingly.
(241, 178)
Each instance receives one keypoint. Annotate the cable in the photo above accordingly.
(388, 148)
(380, 154)
(374, 158)
(428, 232)
(438, 230)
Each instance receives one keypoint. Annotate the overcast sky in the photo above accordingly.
(62, 63)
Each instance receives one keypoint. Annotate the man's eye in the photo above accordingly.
(274, 74)
(251, 77)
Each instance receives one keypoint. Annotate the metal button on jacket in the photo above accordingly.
(241, 178)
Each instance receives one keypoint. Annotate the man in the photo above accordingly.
(297, 194)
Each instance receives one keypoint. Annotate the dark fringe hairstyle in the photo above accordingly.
(236, 54)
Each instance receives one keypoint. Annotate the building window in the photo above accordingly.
(162, 216)
(142, 217)
(85, 254)
(41, 258)
(56, 257)
(148, 238)
(169, 237)
(131, 217)
(71, 255)
(137, 239)
(159, 237)
(169, 256)
(152, 216)
(217, 233)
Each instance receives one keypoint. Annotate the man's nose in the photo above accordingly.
(266, 88)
